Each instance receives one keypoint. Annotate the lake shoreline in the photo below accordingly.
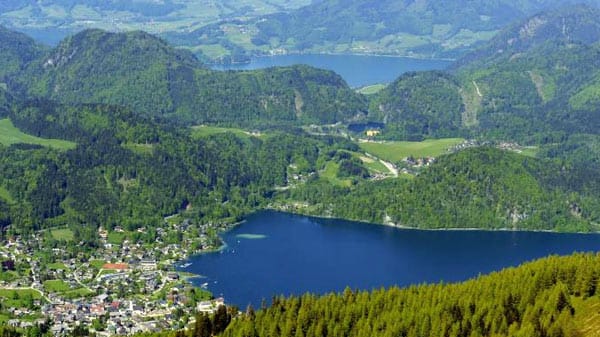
(356, 70)
(326, 254)
(448, 229)
(412, 57)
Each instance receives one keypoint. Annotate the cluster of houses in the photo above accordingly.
(131, 291)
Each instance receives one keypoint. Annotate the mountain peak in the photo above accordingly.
(137, 46)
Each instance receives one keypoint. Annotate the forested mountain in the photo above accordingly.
(418, 28)
(549, 297)
(536, 82)
(17, 51)
(421, 104)
(144, 73)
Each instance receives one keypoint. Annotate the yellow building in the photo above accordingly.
(373, 133)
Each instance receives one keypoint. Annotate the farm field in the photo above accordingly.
(396, 151)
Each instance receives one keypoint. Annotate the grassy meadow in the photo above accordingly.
(9, 135)
(396, 151)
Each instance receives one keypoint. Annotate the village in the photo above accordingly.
(116, 289)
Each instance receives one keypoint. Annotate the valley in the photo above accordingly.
(126, 163)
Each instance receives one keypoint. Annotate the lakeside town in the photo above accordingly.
(119, 288)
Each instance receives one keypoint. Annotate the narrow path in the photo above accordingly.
(477, 88)
(390, 167)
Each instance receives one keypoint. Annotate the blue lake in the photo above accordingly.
(357, 70)
(277, 253)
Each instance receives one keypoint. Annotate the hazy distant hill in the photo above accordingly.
(422, 28)
(141, 71)
(50, 18)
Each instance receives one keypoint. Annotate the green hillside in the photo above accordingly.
(475, 188)
(145, 73)
(417, 105)
(17, 51)
(536, 82)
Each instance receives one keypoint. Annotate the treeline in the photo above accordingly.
(475, 188)
(535, 299)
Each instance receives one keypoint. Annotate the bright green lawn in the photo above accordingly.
(9, 135)
(57, 266)
(62, 234)
(396, 151)
(17, 298)
(116, 238)
(330, 174)
(56, 286)
(77, 293)
(97, 263)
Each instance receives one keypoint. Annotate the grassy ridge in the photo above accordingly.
(9, 135)
(396, 151)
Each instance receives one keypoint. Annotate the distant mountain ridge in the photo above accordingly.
(417, 28)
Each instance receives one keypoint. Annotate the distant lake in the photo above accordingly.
(357, 70)
(277, 253)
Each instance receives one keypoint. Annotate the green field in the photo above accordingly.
(62, 234)
(57, 266)
(374, 166)
(371, 89)
(205, 131)
(56, 286)
(396, 151)
(330, 174)
(97, 263)
(77, 293)
(116, 238)
(9, 135)
(17, 298)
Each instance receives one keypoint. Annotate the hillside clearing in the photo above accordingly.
(396, 151)
(9, 135)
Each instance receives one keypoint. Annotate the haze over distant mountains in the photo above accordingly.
(234, 30)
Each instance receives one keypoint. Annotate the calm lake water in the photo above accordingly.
(357, 70)
(277, 253)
